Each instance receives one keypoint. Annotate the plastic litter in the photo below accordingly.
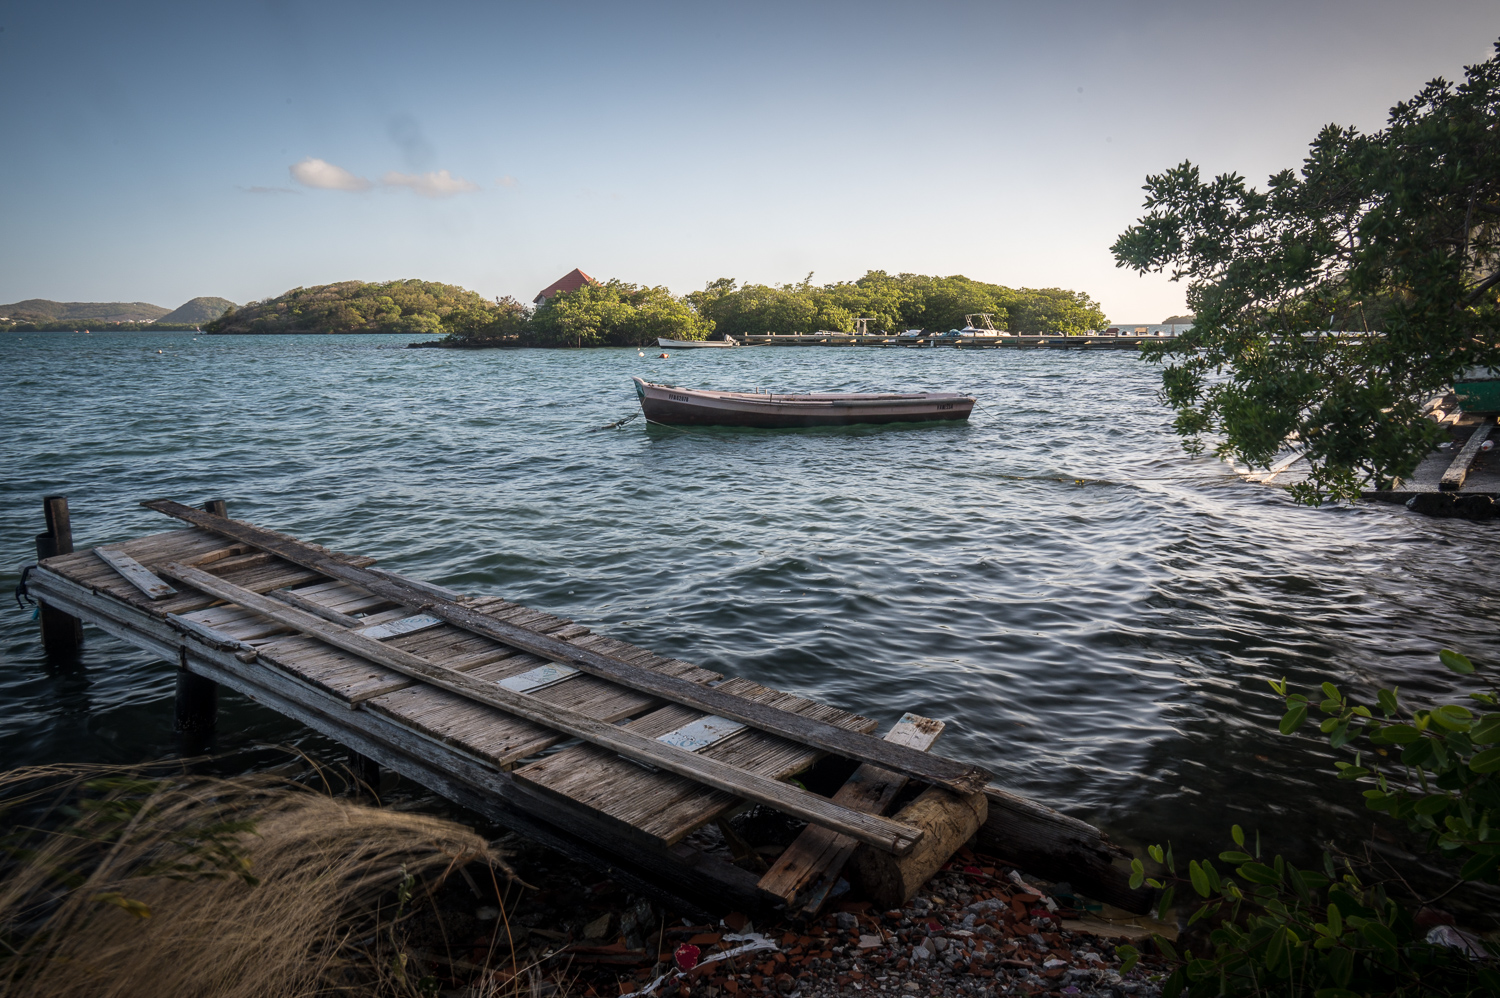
(1455, 938)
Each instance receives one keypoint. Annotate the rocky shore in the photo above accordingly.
(979, 928)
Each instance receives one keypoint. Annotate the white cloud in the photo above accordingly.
(313, 172)
(507, 181)
(437, 184)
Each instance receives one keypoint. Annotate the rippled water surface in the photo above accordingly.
(1092, 611)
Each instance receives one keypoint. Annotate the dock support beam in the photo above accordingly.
(217, 507)
(62, 634)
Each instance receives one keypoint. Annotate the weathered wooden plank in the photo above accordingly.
(1453, 478)
(879, 833)
(405, 625)
(313, 606)
(667, 806)
(961, 777)
(701, 732)
(810, 866)
(542, 676)
(135, 573)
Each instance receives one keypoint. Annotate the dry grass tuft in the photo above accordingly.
(122, 883)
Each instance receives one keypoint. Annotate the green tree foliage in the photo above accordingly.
(1272, 928)
(1338, 301)
(408, 306)
(502, 323)
(892, 302)
(614, 314)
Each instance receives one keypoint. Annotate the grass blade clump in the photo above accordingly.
(124, 883)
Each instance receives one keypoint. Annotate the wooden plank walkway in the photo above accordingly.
(476, 697)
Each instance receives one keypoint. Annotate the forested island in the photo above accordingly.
(406, 306)
(617, 313)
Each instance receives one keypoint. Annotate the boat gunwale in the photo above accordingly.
(817, 398)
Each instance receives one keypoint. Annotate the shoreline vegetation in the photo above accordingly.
(617, 313)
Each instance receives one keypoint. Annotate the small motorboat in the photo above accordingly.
(692, 407)
(727, 341)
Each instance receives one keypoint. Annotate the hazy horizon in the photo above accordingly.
(160, 152)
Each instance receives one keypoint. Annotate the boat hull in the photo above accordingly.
(667, 344)
(689, 407)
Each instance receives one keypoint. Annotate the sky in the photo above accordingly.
(157, 152)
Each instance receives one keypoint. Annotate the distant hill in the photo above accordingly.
(198, 310)
(1177, 320)
(409, 306)
(42, 310)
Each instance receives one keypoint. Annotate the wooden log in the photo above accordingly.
(949, 821)
(872, 830)
(961, 777)
(807, 870)
(1057, 847)
(62, 634)
(1453, 478)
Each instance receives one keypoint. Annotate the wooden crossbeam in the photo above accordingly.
(962, 778)
(805, 873)
(1453, 478)
(881, 833)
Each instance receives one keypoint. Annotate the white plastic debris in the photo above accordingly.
(754, 942)
(1447, 935)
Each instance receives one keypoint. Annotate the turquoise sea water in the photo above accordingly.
(1092, 611)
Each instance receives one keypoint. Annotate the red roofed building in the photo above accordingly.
(571, 281)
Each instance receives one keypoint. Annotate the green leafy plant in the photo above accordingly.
(1273, 927)
(1447, 787)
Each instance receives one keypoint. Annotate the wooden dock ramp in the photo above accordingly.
(598, 748)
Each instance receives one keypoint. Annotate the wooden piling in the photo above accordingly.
(196, 714)
(217, 507)
(62, 634)
(365, 770)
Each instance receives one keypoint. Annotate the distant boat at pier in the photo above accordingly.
(727, 341)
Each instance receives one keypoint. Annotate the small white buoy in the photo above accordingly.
(158, 351)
